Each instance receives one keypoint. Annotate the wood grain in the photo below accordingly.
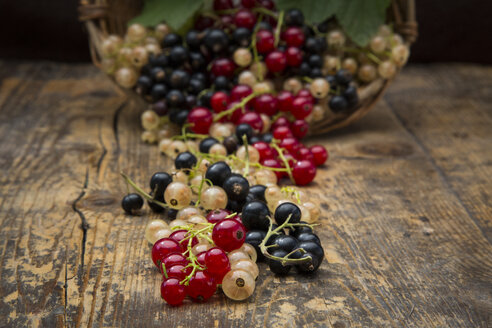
(405, 197)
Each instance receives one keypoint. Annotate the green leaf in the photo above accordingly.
(315, 11)
(176, 13)
(361, 18)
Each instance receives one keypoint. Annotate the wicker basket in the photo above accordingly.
(104, 17)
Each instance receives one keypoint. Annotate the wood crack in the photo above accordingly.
(116, 117)
(84, 224)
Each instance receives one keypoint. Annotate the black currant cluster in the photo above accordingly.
(345, 94)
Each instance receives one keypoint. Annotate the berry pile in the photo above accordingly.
(224, 217)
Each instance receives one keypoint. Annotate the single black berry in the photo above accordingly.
(242, 36)
(296, 231)
(338, 103)
(216, 40)
(276, 266)
(193, 40)
(217, 173)
(158, 74)
(197, 61)
(185, 160)
(230, 144)
(153, 206)
(132, 203)
(178, 116)
(267, 137)
(236, 187)
(175, 98)
(144, 84)
(179, 79)
(171, 213)
(159, 61)
(171, 40)
(294, 17)
(234, 205)
(242, 130)
(222, 83)
(258, 191)
(159, 182)
(159, 91)
(308, 236)
(285, 242)
(254, 238)
(316, 72)
(206, 144)
(343, 77)
(196, 86)
(285, 210)
(255, 216)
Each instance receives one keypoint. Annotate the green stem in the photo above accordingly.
(256, 58)
(284, 160)
(141, 192)
(246, 146)
(241, 104)
(279, 27)
(265, 11)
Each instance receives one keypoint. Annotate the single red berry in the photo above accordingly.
(238, 113)
(294, 56)
(240, 91)
(282, 132)
(174, 259)
(201, 286)
(301, 107)
(162, 248)
(320, 154)
(268, 4)
(304, 172)
(227, 20)
(299, 128)
(281, 121)
(305, 93)
(219, 101)
(291, 145)
(245, 18)
(304, 153)
(223, 5)
(276, 61)
(248, 3)
(228, 234)
(179, 271)
(216, 261)
(217, 215)
(266, 104)
(172, 291)
(200, 119)
(291, 161)
(200, 258)
(183, 238)
(294, 37)
(253, 119)
(203, 22)
(273, 163)
(285, 99)
(264, 150)
(265, 41)
(223, 67)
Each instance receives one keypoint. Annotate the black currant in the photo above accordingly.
(316, 72)
(159, 182)
(309, 266)
(171, 40)
(159, 91)
(338, 103)
(267, 137)
(153, 206)
(193, 40)
(258, 191)
(296, 231)
(186, 161)
(294, 17)
(179, 79)
(308, 236)
(171, 213)
(216, 40)
(304, 69)
(217, 173)
(313, 248)
(204, 99)
(284, 242)
(178, 116)
(254, 238)
(255, 216)
(146, 69)
(196, 86)
(132, 203)
(160, 107)
(197, 61)
(175, 98)
(234, 205)
(144, 85)
(236, 187)
(276, 266)
(230, 144)
(242, 130)
(343, 77)
(199, 76)
(158, 74)
(190, 100)
(331, 81)
(315, 61)
(350, 94)
(254, 139)
(178, 56)
(285, 210)
(206, 143)
(242, 36)
(264, 26)
(222, 83)
(159, 61)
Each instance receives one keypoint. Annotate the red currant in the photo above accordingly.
(172, 291)
(223, 5)
(245, 18)
(273, 163)
(203, 22)
(200, 258)
(223, 67)
(282, 132)
(304, 172)
(216, 261)
(294, 56)
(162, 248)
(285, 99)
(266, 104)
(264, 150)
(248, 3)
(290, 159)
(299, 128)
(219, 101)
(253, 119)
(268, 4)
(291, 145)
(183, 238)
(240, 91)
(228, 234)
(179, 271)
(320, 154)
(217, 215)
(201, 286)
(276, 61)
(305, 93)
(201, 119)
(227, 20)
(304, 153)
(265, 41)
(281, 121)
(301, 107)
(294, 37)
(174, 259)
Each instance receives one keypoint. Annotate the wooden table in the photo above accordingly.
(406, 211)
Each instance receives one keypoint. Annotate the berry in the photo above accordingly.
(216, 261)
(267, 137)
(266, 104)
(308, 236)
(162, 248)
(284, 102)
(304, 172)
(294, 37)
(301, 107)
(273, 163)
(253, 119)
(254, 238)
(245, 18)
(153, 206)
(320, 154)
(182, 237)
(159, 183)
(299, 128)
(258, 191)
(230, 144)
(293, 56)
(178, 271)
(338, 104)
(175, 98)
(315, 61)
(201, 286)
(217, 215)
(200, 119)
(228, 234)
(236, 187)
(242, 130)
(319, 88)
(195, 87)
(206, 144)
(264, 150)
(304, 153)
(242, 36)
(178, 117)
(265, 41)
(255, 216)
(174, 259)
(131, 203)
(242, 57)
(171, 40)
(178, 56)
(281, 121)
(222, 83)
(284, 210)
(291, 145)
(294, 17)
(286, 243)
(193, 40)
(282, 132)
(172, 291)
(223, 67)
(177, 195)
(219, 101)
(217, 173)
(276, 266)
(240, 91)
(223, 5)
(216, 40)
(200, 258)
(238, 285)
(248, 3)
(343, 77)
(185, 160)
(276, 61)
(350, 94)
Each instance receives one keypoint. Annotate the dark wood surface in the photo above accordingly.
(406, 211)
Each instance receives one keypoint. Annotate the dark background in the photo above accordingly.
(452, 30)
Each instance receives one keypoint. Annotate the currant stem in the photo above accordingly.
(141, 192)
(284, 160)
(246, 145)
(256, 58)
(237, 106)
(279, 26)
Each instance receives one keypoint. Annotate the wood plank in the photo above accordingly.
(406, 211)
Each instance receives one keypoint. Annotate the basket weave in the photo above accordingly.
(105, 17)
